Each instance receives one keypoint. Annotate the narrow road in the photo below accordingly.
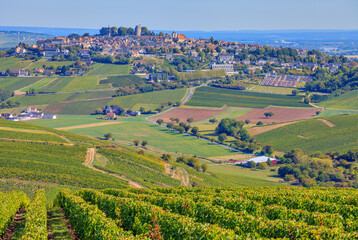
(91, 153)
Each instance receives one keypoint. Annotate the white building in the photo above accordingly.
(227, 67)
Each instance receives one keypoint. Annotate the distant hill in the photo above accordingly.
(9, 39)
(51, 31)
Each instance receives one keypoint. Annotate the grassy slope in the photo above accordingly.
(314, 135)
(345, 101)
(216, 97)
(56, 163)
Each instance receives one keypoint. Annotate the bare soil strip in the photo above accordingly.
(328, 123)
(258, 130)
(89, 125)
(91, 153)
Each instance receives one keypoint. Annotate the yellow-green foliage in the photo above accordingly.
(10, 203)
(36, 218)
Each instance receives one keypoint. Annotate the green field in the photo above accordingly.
(13, 63)
(41, 99)
(346, 101)
(38, 85)
(14, 83)
(218, 97)
(40, 63)
(109, 69)
(83, 84)
(313, 135)
(129, 129)
(150, 97)
(67, 121)
(57, 85)
(123, 81)
(334, 112)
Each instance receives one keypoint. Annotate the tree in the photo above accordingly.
(262, 165)
(166, 157)
(144, 143)
(107, 136)
(177, 120)
(259, 123)
(251, 164)
(190, 120)
(318, 113)
(247, 121)
(289, 178)
(178, 104)
(204, 167)
(229, 126)
(268, 114)
(136, 142)
(160, 121)
(294, 92)
(268, 149)
(222, 137)
(213, 120)
(195, 130)
(307, 100)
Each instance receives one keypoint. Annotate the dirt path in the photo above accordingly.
(89, 125)
(328, 123)
(91, 153)
(17, 221)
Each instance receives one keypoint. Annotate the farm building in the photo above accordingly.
(262, 159)
(111, 115)
(49, 116)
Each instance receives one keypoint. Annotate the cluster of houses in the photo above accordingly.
(31, 113)
(257, 160)
(112, 111)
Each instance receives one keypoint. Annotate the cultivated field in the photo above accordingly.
(13, 63)
(217, 97)
(109, 69)
(158, 98)
(13, 83)
(123, 81)
(83, 84)
(54, 64)
(315, 135)
(184, 113)
(38, 85)
(57, 85)
(280, 114)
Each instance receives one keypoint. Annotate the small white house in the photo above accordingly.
(49, 116)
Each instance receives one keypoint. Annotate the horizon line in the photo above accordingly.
(296, 29)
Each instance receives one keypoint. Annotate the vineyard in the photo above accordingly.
(192, 213)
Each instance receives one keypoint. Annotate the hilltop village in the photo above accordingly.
(129, 46)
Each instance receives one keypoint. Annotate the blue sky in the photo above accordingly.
(206, 15)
